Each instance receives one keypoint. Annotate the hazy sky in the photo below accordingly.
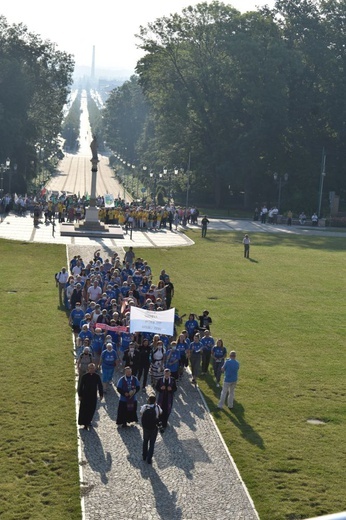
(76, 26)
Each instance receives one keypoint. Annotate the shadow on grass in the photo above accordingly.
(237, 417)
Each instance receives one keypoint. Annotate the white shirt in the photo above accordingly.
(147, 406)
(63, 277)
(94, 293)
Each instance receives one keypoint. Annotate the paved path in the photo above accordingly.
(192, 476)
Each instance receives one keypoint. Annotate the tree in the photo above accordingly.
(203, 75)
(35, 79)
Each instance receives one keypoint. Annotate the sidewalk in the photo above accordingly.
(21, 228)
(14, 227)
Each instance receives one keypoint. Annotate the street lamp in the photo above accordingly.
(170, 173)
(154, 176)
(10, 177)
(323, 174)
(4, 168)
(281, 180)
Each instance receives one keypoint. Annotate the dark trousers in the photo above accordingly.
(246, 250)
(143, 370)
(206, 355)
(149, 438)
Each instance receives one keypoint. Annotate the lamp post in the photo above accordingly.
(4, 167)
(155, 176)
(170, 173)
(10, 177)
(281, 180)
(323, 174)
(188, 182)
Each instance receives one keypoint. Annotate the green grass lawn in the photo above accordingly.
(38, 456)
(283, 311)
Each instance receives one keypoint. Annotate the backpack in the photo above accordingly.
(56, 276)
(149, 419)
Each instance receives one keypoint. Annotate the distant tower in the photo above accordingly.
(93, 64)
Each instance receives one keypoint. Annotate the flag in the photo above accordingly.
(109, 200)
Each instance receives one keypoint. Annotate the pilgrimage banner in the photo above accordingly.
(158, 322)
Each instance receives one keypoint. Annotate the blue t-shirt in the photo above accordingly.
(137, 279)
(196, 348)
(172, 360)
(231, 368)
(108, 357)
(182, 348)
(191, 326)
(125, 290)
(97, 344)
(208, 343)
(76, 316)
(85, 334)
(165, 340)
(219, 352)
(125, 341)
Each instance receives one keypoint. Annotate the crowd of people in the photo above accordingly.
(71, 208)
(271, 215)
(98, 294)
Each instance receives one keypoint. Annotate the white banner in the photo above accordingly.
(158, 322)
(109, 200)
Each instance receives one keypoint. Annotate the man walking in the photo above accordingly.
(61, 280)
(204, 223)
(87, 392)
(150, 419)
(230, 368)
(246, 242)
(166, 386)
(127, 387)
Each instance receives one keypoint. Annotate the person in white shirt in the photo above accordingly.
(246, 242)
(94, 292)
(61, 279)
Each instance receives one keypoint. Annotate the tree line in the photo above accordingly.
(243, 96)
(34, 84)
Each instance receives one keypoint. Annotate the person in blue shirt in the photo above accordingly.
(108, 362)
(76, 316)
(218, 353)
(182, 347)
(97, 345)
(191, 325)
(125, 338)
(137, 278)
(195, 353)
(208, 343)
(230, 369)
(84, 333)
(173, 359)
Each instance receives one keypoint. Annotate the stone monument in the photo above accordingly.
(91, 226)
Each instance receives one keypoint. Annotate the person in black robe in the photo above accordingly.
(144, 361)
(132, 358)
(166, 386)
(87, 391)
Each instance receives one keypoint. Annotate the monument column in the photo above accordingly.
(91, 221)
(91, 226)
